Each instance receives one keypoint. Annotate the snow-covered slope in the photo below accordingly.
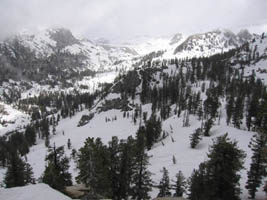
(53, 56)
(210, 43)
(253, 59)
(147, 44)
(96, 57)
(161, 155)
(196, 45)
(176, 144)
(32, 192)
(11, 119)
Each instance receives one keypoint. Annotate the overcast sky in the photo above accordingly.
(127, 18)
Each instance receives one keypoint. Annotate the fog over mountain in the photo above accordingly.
(131, 99)
(120, 18)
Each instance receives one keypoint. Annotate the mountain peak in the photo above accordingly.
(176, 38)
(63, 37)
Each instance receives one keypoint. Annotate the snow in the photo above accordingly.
(97, 127)
(198, 45)
(176, 144)
(11, 118)
(32, 192)
(98, 57)
(161, 156)
(259, 68)
(93, 83)
(187, 158)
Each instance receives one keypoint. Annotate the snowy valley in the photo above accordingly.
(66, 89)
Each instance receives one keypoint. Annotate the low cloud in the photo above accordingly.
(126, 18)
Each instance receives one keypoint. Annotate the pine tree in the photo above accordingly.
(56, 171)
(225, 162)
(164, 185)
(126, 167)
(18, 172)
(141, 176)
(229, 109)
(29, 178)
(186, 119)
(54, 128)
(15, 175)
(252, 111)
(207, 126)
(69, 144)
(265, 187)
(47, 141)
(195, 138)
(180, 185)
(174, 160)
(152, 131)
(197, 182)
(218, 178)
(93, 163)
(238, 112)
(200, 111)
(211, 104)
(30, 135)
(114, 168)
(258, 164)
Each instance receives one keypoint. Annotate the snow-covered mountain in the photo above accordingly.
(210, 43)
(114, 111)
(196, 45)
(55, 54)
(59, 50)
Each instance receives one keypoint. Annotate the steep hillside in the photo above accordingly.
(223, 93)
(196, 45)
(11, 119)
(57, 54)
(210, 43)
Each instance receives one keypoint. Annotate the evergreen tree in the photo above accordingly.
(258, 164)
(93, 163)
(218, 178)
(252, 111)
(126, 167)
(15, 175)
(114, 169)
(47, 141)
(180, 184)
(207, 126)
(265, 187)
(198, 189)
(30, 135)
(141, 185)
(200, 111)
(29, 178)
(152, 131)
(54, 128)
(211, 104)
(226, 160)
(195, 138)
(69, 144)
(164, 185)
(56, 171)
(229, 109)
(238, 112)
